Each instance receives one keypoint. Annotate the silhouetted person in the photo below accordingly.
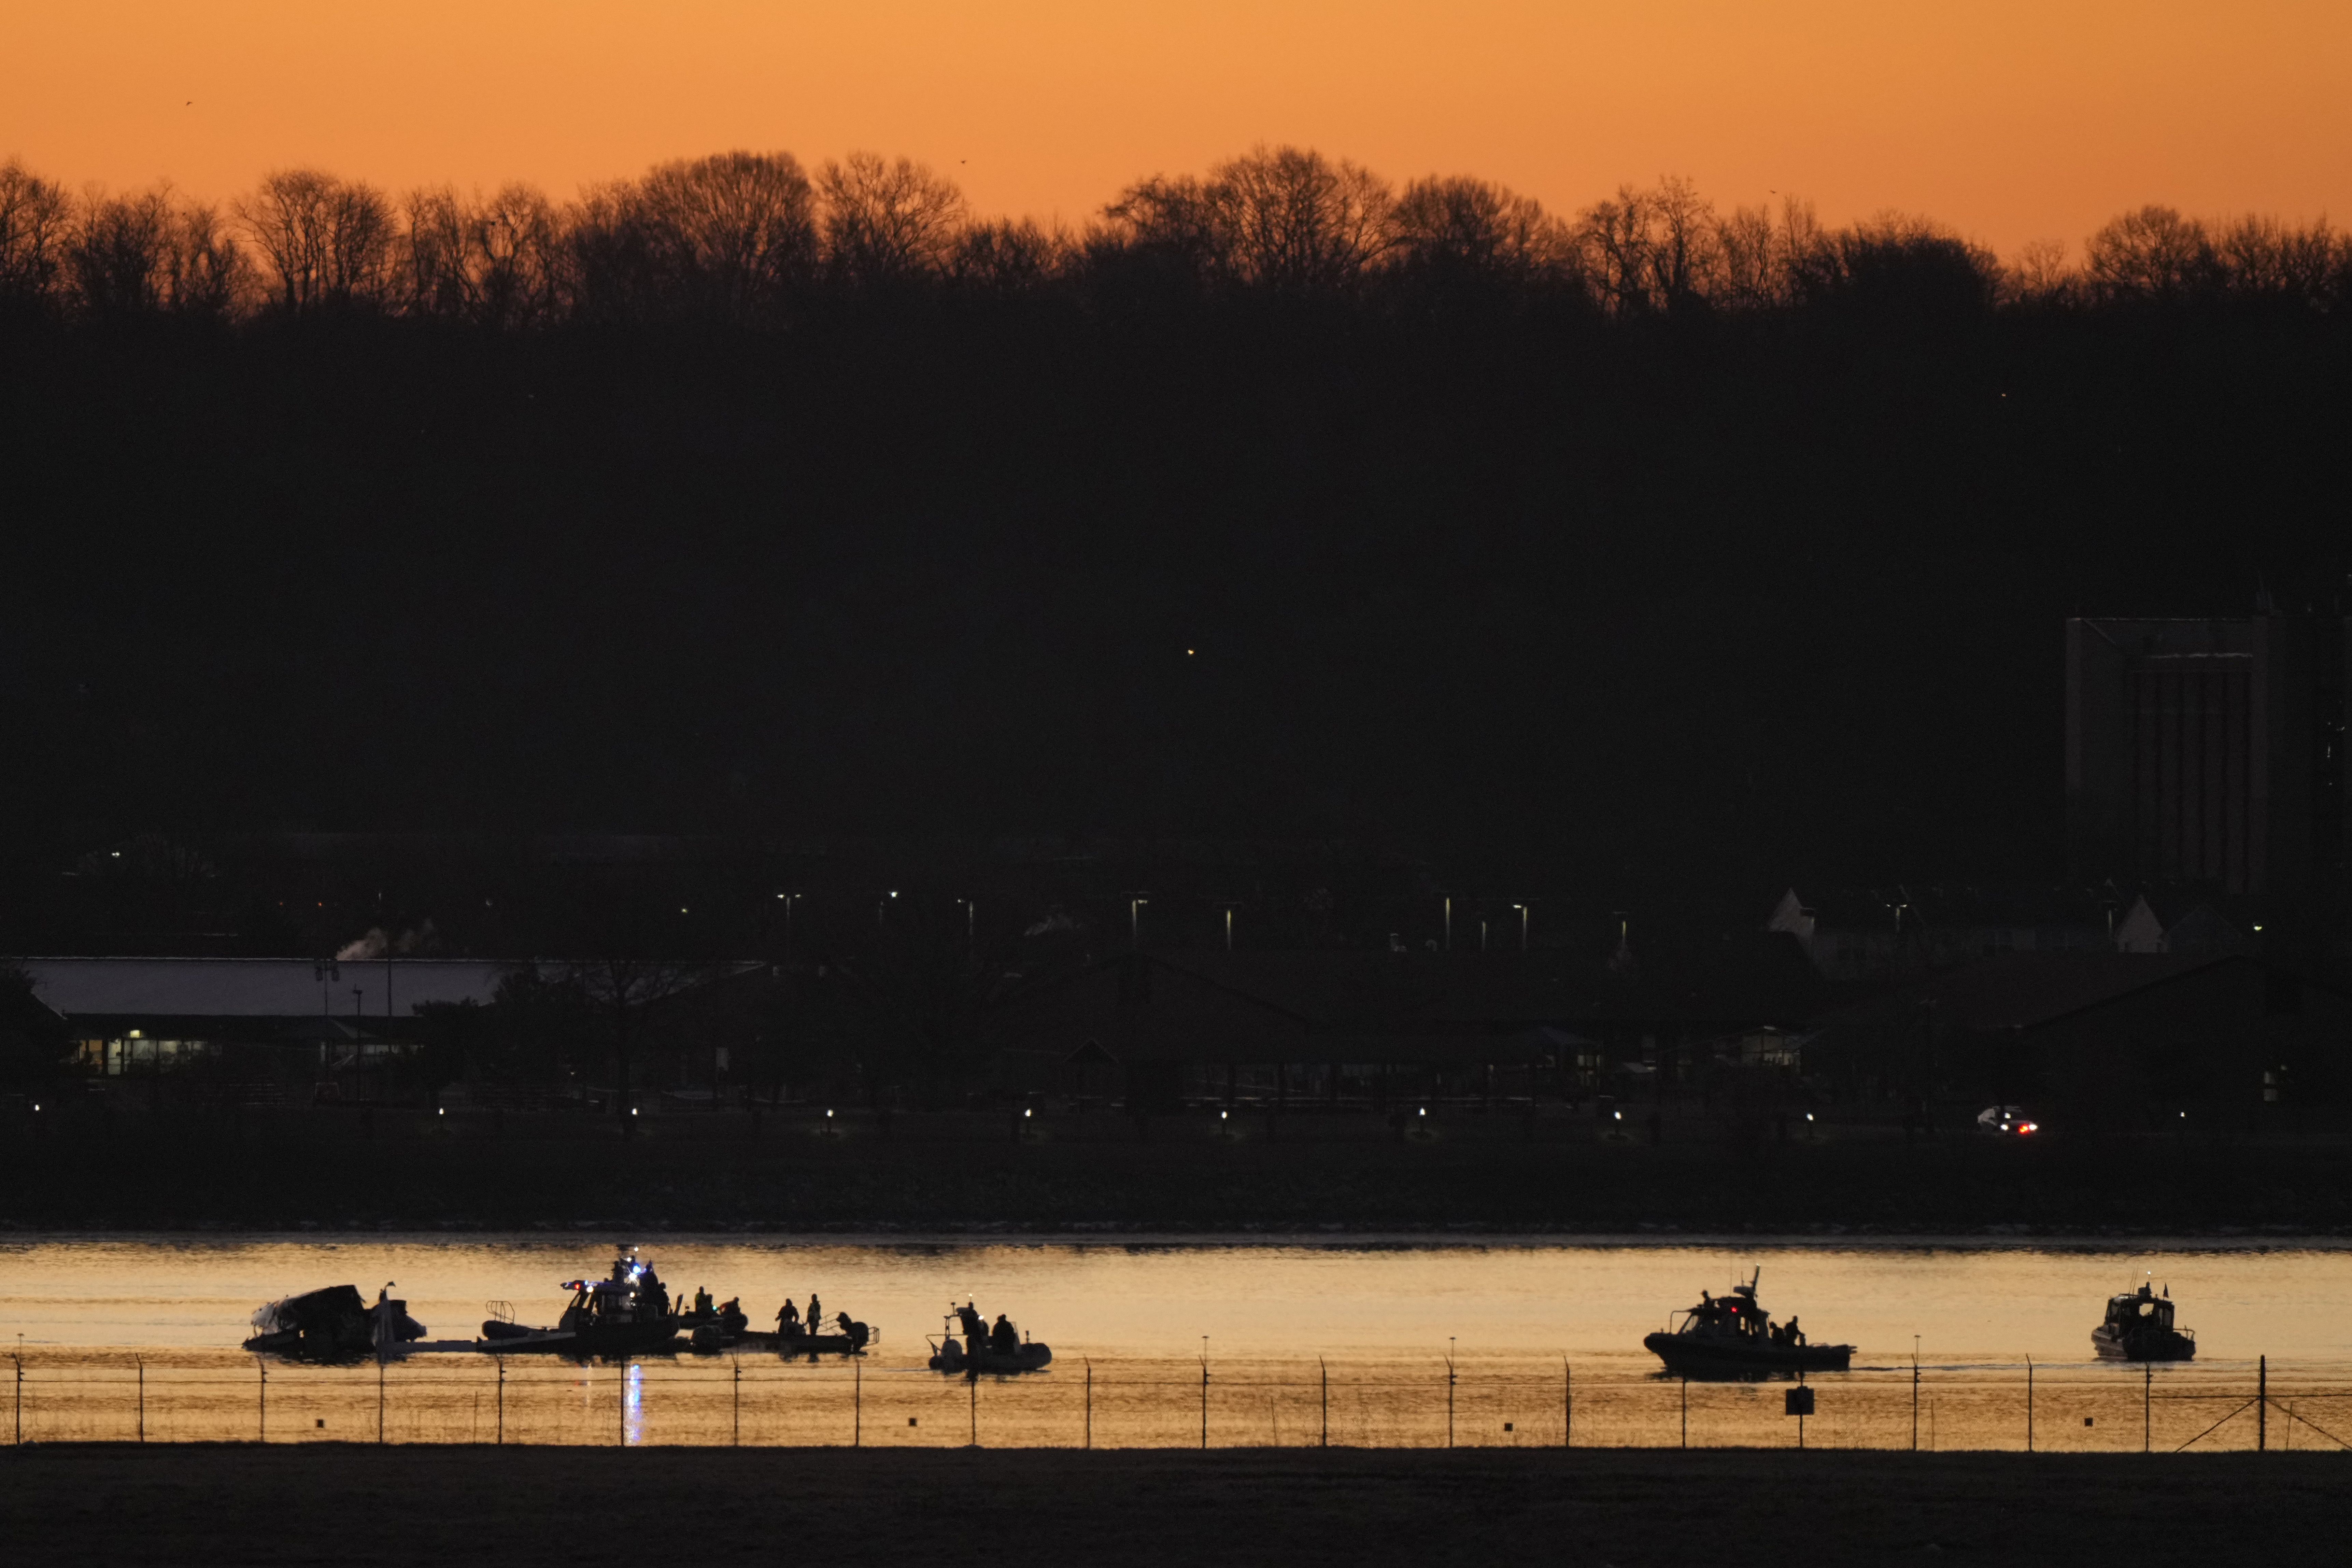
(788, 1318)
(816, 1314)
(969, 1316)
(1003, 1339)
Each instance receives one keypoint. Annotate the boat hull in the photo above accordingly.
(609, 1339)
(782, 1344)
(1031, 1356)
(2153, 1344)
(1698, 1355)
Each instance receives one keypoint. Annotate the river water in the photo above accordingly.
(1414, 1343)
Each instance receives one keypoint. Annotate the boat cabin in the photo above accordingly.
(624, 1297)
(2140, 1311)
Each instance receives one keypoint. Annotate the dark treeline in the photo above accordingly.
(1647, 546)
(752, 239)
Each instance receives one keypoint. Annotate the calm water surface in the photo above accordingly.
(1301, 1339)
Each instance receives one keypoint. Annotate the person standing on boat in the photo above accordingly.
(1796, 1335)
(816, 1319)
(788, 1320)
(1004, 1338)
(969, 1316)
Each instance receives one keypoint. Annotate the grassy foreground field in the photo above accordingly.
(692, 1508)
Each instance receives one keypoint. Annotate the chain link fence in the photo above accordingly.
(1384, 1402)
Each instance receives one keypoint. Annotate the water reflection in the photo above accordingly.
(1128, 1301)
(633, 1405)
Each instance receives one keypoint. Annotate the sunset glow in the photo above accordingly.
(2011, 121)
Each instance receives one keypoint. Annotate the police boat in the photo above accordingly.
(2139, 1327)
(625, 1314)
(1733, 1336)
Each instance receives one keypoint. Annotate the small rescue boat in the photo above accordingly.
(1733, 1336)
(2139, 1327)
(792, 1339)
(982, 1350)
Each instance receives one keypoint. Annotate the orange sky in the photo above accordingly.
(2011, 120)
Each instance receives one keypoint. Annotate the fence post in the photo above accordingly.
(1090, 1402)
(379, 1401)
(736, 1439)
(503, 1401)
(1686, 1413)
(2146, 1400)
(142, 1399)
(261, 1425)
(1567, 1405)
(971, 1382)
(1449, 1393)
(20, 1400)
(1204, 1393)
(2028, 1404)
(856, 1403)
(2262, 1404)
(1915, 1399)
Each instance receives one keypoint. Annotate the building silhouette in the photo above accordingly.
(2207, 753)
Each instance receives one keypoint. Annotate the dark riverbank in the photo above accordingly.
(575, 1507)
(346, 1170)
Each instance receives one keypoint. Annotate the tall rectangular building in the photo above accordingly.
(2206, 751)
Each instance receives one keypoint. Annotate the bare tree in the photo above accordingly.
(1896, 262)
(432, 259)
(1465, 230)
(1753, 257)
(118, 252)
(1614, 234)
(210, 273)
(2151, 254)
(2262, 258)
(887, 221)
(740, 227)
(1006, 257)
(34, 214)
(2038, 273)
(1283, 218)
(1300, 222)
(1172, 225)
(325, 241)
(1684, 260)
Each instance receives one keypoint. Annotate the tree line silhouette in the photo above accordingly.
(1653, 545)
(756, 239)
